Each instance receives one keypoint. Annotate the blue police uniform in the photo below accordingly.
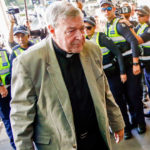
(110, 64)
(17, 50)
(5, 102)
(131, 89)
(144, 32)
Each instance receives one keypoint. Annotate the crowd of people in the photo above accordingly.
(68, 85)
(123, 60)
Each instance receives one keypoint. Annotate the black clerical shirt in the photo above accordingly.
(81, 100)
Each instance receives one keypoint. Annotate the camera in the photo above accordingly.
(13, 11)
(124, 10)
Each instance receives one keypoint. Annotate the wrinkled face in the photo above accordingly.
(108, 11)
(142, 18)
(89, 29)
(69, 34)
(22, 39)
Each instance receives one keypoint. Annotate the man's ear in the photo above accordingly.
(51, 29)
(114, 8)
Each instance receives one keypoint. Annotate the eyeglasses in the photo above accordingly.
(107, 8)
(88, 27)
(140, 15)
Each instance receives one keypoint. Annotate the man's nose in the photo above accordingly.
(79, 34)
(20, 38)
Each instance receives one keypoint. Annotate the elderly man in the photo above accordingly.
(60, 95)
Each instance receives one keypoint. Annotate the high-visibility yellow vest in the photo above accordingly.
(113, 33)
(141, 31)
(18, 51)
(117, 38)
(107, 56)
(4, 66)
(145, 45)
(35, 41)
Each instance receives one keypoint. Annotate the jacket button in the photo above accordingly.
(74, 146)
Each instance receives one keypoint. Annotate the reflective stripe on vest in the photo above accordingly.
(35, 41)
(104, 50)
(4, 66)
(18, 51)
(107, 66)
(4, 71)
(147, 44)
(144, 57)
(129, 52)
(113, 33)
(142, 28)
(141, 31)
(94, 37)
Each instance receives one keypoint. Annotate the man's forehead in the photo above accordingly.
(70, 21)
(138, 11)
(106, 5)
(20, 34)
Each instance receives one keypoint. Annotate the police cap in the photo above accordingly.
(106, 2)
(143, 9)
(90, 20)
(20, 29)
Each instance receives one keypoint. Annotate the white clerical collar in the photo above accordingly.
(68, 55)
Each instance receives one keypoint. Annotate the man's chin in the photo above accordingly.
(77, 50)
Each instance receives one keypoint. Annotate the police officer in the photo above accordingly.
(143, 36)
(127, 14)
(110, 52)
(35, 35)
(20, 33)
(125, 40)
(143, 31)
(5, 92)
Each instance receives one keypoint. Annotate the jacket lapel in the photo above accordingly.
(92, 83)
(59, 84)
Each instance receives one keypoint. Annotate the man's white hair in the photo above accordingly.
(60, 10)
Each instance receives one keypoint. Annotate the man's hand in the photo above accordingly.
(119, 135)
(3, 91)
(124, 20)
(136, 69)
(11, 18)
(123, 78)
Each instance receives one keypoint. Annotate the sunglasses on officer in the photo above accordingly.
(88, 27)
(107, 8)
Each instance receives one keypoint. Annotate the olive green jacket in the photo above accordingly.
(40, 107)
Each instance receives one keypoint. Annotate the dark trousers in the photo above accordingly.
(4, 114)
(117, 90)
(133, 92)
(130, 91)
